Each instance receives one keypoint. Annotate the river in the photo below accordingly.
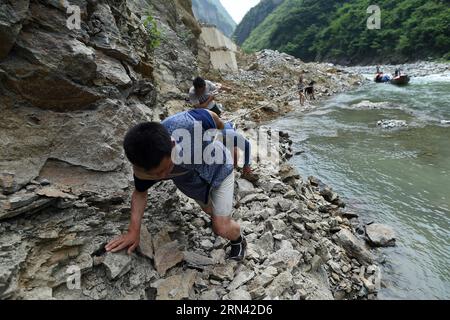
(399, 176)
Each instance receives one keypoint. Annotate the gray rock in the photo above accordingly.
(284, 258)
(329, 195)
(281, 283)
(241, 278)
(288, 172)
(167, 255)
(146, 243)
(218, 255)
(197, 260)
(276, 225)
(353, 246)
(198, 222)
(380, 235)
(117, 264)
(11, 17)
(206, 244)
(210, 294)
(239, 294)
(265, 242)
(284, 205)
(244, 187)
(334, 266)
(254, 197)
(223, 271)
(176, 287)
(316, 262)
(389, 124)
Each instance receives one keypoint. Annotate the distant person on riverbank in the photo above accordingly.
(301, 89)
(203, 93)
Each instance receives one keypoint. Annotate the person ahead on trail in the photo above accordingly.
(202, 95)
(157, 152)
(301, 89)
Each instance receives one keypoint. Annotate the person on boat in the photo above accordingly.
(383, 77)
(157, 152)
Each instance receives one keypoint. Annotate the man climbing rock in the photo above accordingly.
(157, 153)
(202, 95)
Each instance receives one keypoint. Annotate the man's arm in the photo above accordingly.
(132, 237)
(219, 123)
(206, 103)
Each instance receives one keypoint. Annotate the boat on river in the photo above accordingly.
(400, 80)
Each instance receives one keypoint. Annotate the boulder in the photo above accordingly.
(353, 246)
(380, 235)
(329, 194)
(288, 173)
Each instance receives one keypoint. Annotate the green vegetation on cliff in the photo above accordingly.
(336, 30)
(253, 18)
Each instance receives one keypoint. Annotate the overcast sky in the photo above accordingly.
(238, 8)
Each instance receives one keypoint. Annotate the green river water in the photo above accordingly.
(400, 176)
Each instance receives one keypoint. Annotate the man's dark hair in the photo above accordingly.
(146, 144)
(199, 83)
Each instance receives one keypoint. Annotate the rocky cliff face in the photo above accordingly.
(212, 12)
(67, 98)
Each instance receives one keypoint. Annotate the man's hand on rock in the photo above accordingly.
(128, 240)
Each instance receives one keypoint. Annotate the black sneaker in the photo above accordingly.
(238, 250)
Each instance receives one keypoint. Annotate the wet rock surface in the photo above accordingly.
(380, 235)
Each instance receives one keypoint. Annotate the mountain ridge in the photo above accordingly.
(336, 31)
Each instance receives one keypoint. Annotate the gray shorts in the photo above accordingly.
(221, 198)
